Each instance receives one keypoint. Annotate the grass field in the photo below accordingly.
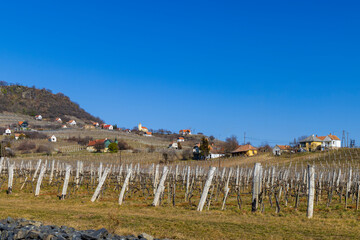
(181, 222)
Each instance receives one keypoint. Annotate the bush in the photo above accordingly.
(113, 148)
(36, 135)
(44, 149)
(123, 145)
(151, 149)
(26, 146)
(82, 141)
(187, 154)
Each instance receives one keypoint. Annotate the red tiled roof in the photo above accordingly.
(148, 133)
(185, 130)
(97, 141)
(333, 137)
(244, 148)
(321, 137)
(284, 147)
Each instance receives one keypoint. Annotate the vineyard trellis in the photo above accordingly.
(267, 186)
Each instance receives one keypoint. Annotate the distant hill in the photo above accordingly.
(32, 101)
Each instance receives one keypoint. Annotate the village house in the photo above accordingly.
(185, 132)
(7, 132)
(95, 124)
(148, 134)
(142, 129)
(108, 127)
(216, 152)
(103, 144)
(174, 145)
(313, 143)
(127, 130)
(52, 139)
(71, 123)
(89, 127)
(23, 124)
(279, 149)
(64, 126)
(180, 139)
(18, 136)
(58, 120)
(244, 150)
(38, 117)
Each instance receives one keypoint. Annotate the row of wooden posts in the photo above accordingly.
(270, 182)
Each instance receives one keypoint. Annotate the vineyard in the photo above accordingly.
(320, 184)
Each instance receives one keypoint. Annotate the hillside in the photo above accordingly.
(32, 101)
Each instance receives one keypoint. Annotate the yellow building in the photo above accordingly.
(245, 150)
(311, 143)
(142, 129)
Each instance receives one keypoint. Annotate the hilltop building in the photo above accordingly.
(313, 143)
(185, 132)
(142, 129)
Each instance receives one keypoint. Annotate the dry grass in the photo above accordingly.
(180, 222)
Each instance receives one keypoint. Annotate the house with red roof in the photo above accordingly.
(71, 123)
(280, 149)
(244, 150)
(38, 117)
(185, 132)
(108, 127)
(148, 134)
(180, 139)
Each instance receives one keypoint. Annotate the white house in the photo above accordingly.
(185, 132)
(180, 139)
(108, 127)
(7, 132)
(64, 126)
(330, 141)
(279, 149)
(58, 120)
(72, 123)
(148, 134)
(52, 138)
(174, 145)
(38, 117)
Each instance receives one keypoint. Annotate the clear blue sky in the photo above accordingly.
(273, 69)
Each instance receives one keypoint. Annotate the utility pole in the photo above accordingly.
(244, 138)
(347, 140)
(343, 140)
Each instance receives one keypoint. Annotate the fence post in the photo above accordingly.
(311, 191)
(161, 187)
(206, 189)
(256, 186)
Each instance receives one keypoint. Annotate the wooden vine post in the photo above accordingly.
(311, 191)
(206, 189)
(256, 186)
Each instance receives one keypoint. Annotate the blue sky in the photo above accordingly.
(273, 69)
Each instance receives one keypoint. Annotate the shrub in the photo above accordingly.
(123, 145)
(26, 146)
(44, 149)
(113, 147)
(82, 141)
(36, 135)
(187, 154)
